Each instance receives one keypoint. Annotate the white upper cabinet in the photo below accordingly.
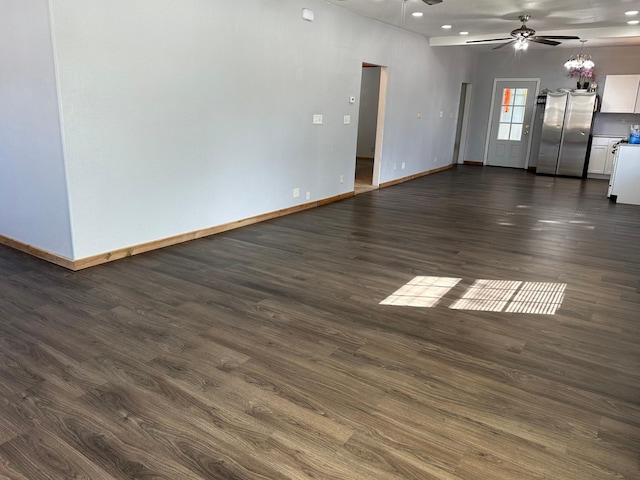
(621, 94)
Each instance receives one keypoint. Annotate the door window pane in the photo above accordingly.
(507, 96)
(516, 132)
(520, 96)
(518, 115)
(512, 112)
(506, 115)
(503, 131)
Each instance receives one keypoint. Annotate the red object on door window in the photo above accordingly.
(507, 99)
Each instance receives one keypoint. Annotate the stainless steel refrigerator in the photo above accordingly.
(565, 133)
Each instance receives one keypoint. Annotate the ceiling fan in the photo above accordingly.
(520, 36)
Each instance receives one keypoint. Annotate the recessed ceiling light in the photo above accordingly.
(464, 33)
(446, 27)
(633, 22)
(417, 14)
(631, 13)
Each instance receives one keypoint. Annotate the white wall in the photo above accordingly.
(33, 199)
(368, 112)
(184, 114)
(545, 63)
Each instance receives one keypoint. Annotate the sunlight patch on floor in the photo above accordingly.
(509, 296)
(487, 295)
(541, 298)
(421, 292)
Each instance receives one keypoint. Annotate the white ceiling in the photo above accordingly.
(600, 22)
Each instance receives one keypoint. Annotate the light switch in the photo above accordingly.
(318, 119)
(347, 119)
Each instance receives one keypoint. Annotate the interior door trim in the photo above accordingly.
(493, 99)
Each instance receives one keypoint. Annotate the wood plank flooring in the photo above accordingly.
(263, 353)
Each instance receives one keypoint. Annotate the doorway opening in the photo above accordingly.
(373, 91)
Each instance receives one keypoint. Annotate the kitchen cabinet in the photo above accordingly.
(601, 158)
(598, 155)
(621, 94)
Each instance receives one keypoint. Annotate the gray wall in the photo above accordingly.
(33, 191)
(545, 63)
(181, 115)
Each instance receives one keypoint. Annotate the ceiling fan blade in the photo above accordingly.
(560, 37)
(544, 41)
(489, 40)
(504, 44)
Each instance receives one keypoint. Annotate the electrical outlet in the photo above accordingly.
(394, 166)
(419, 114)
(308, 195)
(435, 159)
(441, 114)
(341, 178)
(347, 119)
(624, 121)
(296, 192)
(402, 166)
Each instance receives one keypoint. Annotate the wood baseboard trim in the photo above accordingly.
(469, 162)
(37, 252)
(413, 177)
(106, 257)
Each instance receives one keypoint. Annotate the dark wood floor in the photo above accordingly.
(263, 353)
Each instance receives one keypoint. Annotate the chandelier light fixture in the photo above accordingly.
(581, 61)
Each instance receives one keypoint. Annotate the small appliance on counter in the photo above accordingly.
(634, 136)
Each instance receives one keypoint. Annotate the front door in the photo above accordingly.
(509, 136)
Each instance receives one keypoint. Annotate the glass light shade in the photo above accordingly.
(579, 62)
(521, 44)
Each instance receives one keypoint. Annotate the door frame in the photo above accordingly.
(460, 143)
(493, 99)
(382, 105)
